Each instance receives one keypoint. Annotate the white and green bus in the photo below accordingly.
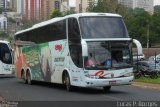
(6, 59)
(60, 51)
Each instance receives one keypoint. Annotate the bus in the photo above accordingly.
(58, 51)
(6, 59)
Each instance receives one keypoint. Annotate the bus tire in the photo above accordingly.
(107, 88)
(23, 76)
(29, 80)
(66, 82)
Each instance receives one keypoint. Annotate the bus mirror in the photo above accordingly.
(138, 46)
(84, 48)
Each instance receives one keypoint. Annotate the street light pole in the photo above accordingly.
(68, 9)
(148, 39)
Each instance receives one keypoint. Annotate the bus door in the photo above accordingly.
(6, 59)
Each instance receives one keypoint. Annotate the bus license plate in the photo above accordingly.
(112, 82)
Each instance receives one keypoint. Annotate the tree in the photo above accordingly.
(155, 28)
(11, 20)
(69, 12)
(56, 13)
(4, 35)
(157, 9)
(138, 25)
(1, 10)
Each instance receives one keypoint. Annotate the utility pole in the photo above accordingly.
(68, 9)
(80, 7)
(148, 39)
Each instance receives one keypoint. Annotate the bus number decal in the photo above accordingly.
(59, 59)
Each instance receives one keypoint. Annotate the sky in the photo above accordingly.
(156, 2)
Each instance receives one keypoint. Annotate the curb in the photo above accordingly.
(146, 85)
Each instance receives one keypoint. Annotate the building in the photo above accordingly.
(3, 4)
(20, 7)
(40, 10)
(147, 5)
(32, 9)
(3, 23)
(49, 8)
(76, 5)
(13, 5)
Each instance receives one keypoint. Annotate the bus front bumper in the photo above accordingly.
(108, 82)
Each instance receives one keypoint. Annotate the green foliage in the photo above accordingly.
(157, 9)
(56, 13)
(4, 35)
(148, 80)
(26, 24)
(11, 20)
(138, 25)
(109, 6)
(155, 28)
(1, 10)
(69, 12)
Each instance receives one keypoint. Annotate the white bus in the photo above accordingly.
(6, 59)
(60, 51)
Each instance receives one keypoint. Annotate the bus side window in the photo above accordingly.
(76, 55)
(5, 54)
(73, 31)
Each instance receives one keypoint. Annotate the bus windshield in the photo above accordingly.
(108, 55)
(5, 54)
(102, 27)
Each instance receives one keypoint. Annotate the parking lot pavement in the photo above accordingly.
(147, 85)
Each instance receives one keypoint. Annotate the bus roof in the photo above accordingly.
(65, 17)
(3, 41)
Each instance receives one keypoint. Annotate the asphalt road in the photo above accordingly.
(13, 89)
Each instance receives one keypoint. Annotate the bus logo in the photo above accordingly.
(58, 47)
(102, 74)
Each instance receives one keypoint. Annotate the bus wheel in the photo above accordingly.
(29, 78)
(23, 77)
(67, 82)
(107, 88)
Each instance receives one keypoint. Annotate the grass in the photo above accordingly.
(148, 80)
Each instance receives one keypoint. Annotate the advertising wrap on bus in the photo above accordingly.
(39, 59)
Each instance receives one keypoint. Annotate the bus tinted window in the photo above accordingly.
(58, 30)
(103, 27)
(52, 32)
(73, 31)
(75, 40)
(76, 54)
(5, 54)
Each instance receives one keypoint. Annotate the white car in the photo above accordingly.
(140, 57)
(157, 57)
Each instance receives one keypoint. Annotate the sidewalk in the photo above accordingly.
(146, 85)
